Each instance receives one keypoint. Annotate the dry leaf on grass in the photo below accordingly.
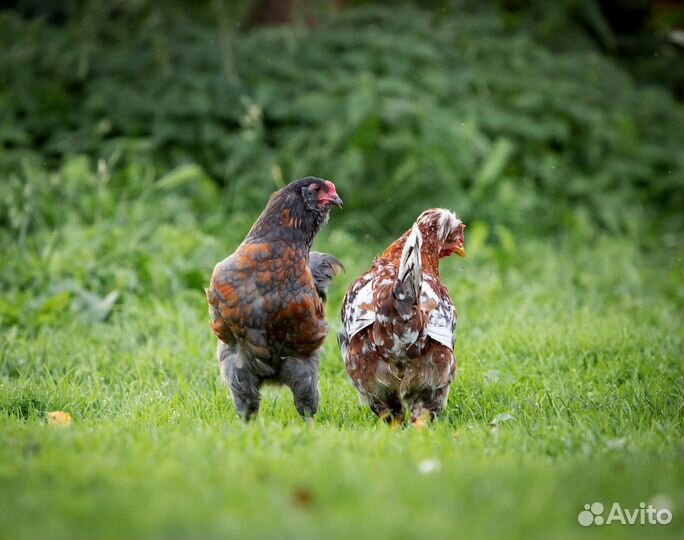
(59, 418)
(302, 497)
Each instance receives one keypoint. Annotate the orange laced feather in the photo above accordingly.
(429, 253)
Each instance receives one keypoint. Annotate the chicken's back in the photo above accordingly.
(263, 298)
(371, 304)
(385, 351)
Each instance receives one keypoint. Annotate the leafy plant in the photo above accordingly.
(401, 108)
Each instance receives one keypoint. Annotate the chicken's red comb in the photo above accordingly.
(331, 187)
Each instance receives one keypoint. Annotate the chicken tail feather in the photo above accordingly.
(410, 279)
(324, 268)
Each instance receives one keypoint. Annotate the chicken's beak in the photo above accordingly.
(460, 251)
(337, 201)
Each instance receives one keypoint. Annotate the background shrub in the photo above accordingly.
(402, 108)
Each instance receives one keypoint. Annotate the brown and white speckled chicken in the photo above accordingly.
(266, 299)
(399, 323)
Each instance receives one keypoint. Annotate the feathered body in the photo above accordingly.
(399, 323)
(265, 303)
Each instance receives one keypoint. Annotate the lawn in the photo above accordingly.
(569, 392)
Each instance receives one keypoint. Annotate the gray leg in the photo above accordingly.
(301, 375)
(243, 383)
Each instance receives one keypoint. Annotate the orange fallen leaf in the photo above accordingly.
(59, 418)
(302, 497)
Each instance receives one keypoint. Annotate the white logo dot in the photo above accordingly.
(585, 518)
(664, 516)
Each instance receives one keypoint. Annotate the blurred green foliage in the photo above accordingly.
(403, 109)
(639, 34)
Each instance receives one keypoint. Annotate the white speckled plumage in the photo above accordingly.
(399, 323)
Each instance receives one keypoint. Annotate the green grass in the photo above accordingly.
(580, 343)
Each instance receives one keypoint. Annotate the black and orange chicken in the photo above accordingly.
(266, 300)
